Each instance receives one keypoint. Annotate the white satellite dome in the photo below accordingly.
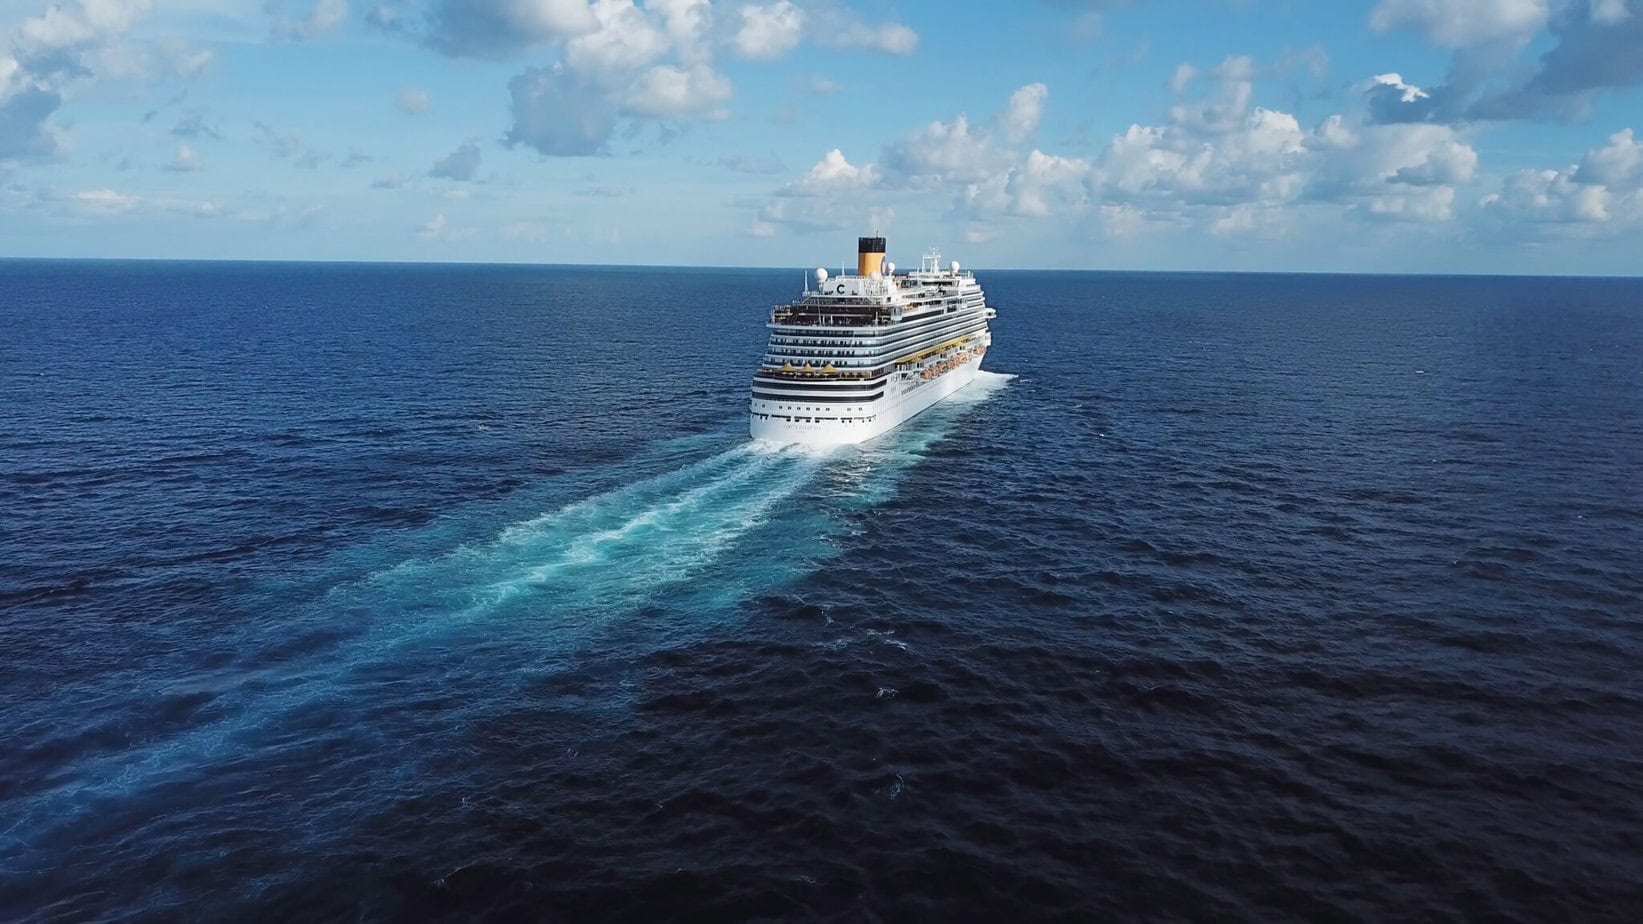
(889, 269)
(821, 274)
(955, 266)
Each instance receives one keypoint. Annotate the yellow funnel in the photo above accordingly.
(869, 256)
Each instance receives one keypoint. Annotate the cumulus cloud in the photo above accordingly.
(1043, 177)
(626, 39)
(47, 55)
(1435, 203)
(1551, 195)
(633, 64)
(768, 31)
(461, 164)
(1461, 23)
(1447, 162)
(1405, 92)
(1600, 50)
(1217, 161)
(1602, 194)
(497, 28)
(1019, 120)
(620, 63)
(944, 152)
(669, 91)
(1618, 163)
(557, 114)
(1595, 45)
(833, 171)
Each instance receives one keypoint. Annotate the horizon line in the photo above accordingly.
(719, 266)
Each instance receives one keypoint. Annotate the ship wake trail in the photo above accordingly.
(386, 666)
(597, 557)
(472, 616)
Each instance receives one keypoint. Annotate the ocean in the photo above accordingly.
(399, 592)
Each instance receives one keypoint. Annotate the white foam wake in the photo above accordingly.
(548, 580)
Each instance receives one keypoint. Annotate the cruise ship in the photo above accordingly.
(855, 356)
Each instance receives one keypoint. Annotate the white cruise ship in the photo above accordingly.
(854, 356)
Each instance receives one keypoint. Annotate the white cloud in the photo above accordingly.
(1618, 163)
(1434, 203)
(836, 28)
(636, 63)
(49, 55)
(1448, 161)
(1463, 23)
(1551, 195)
(833, 171)
(944, 151)
(768, 31)
(413, 101)
(1182, 78)
(187, 159)
(78, 24)
(666, 91)
(1217, 163)
(686, 24)
(1260, 158)
(107, 200)
(1604, 189)
(1020, 117)
(323, 18)
(626, 40)
(1407, 92)
(1042, 177)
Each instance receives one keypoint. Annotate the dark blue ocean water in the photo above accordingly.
(399, 592)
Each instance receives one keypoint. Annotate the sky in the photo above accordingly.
(1446, 136)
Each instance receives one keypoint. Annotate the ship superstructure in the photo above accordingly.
(854, 356)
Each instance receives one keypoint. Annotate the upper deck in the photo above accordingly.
(875, 300)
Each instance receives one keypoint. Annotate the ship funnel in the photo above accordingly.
(869, 255)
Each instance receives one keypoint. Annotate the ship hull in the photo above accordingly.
(894, 411)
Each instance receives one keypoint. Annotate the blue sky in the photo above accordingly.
(1382, 135)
